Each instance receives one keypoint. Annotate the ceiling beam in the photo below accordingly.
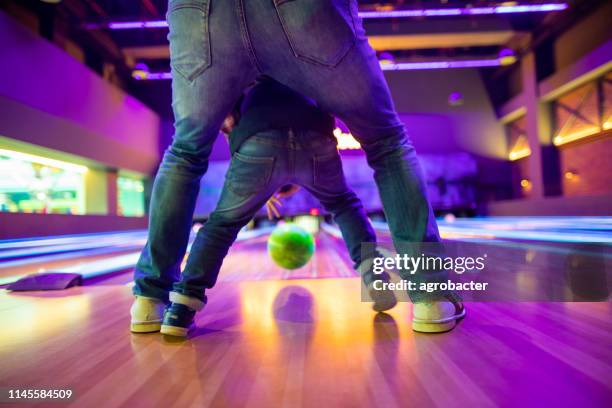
(378, 42)
(439, 40)
(150, 52)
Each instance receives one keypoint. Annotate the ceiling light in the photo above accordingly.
(381, 13)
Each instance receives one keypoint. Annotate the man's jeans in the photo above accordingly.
(263, 164)
(318, 48)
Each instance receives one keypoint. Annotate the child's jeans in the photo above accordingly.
(263, 164)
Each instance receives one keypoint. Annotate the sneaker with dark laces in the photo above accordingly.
(178, 319)
(383, 298)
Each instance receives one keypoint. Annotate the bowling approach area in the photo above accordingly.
(274, 337)
(339, 122)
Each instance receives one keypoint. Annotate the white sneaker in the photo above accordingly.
(436, 317)
(147, 315)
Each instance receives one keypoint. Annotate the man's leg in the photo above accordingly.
(210, 67)
(319, 48)
(322, 176)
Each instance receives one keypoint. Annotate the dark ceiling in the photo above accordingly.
(125, 48)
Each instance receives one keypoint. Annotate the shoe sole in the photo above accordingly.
(174, 331)
(433, 327)
(383, 300)
(437, 327)
(145, 327)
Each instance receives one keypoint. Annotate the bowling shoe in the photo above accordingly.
(436, 317)
(147, 314)
(179, 315)
(383, 299)
(178, 319)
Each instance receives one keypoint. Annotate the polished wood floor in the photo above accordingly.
(305, 343)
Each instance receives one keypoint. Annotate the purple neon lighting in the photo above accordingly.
(404, 66)
(399, 66)
(155, 76)
(442, 12)
(482, 10)
(129, 25)
(527, 8)
(530, 8)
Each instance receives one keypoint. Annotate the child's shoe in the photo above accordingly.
(179, 315)
(178, 319)
(384, 299)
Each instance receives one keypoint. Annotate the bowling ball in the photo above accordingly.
(290, 246)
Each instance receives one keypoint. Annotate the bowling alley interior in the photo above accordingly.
(509, 107)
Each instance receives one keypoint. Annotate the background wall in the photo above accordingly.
(43, 87)
(573, 174)
(583, 37)
(16, 225)
(586, 167)
(53, 106)
(421, 98)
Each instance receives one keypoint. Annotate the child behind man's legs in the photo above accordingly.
(264, 163)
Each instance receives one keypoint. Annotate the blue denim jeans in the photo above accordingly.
(316, 47)
(263, 164)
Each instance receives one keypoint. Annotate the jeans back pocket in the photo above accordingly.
(327, 171)
(319, 31)
(189, 37)
(248, 175)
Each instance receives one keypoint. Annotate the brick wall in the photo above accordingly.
(520, 171)
(590, 163)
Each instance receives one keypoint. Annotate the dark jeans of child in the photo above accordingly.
(264, 163)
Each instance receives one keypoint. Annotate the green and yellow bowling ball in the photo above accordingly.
(290, 246)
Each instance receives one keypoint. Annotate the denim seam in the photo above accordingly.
(189, 5)
(205, 10)
(292, 152)
(350, 9)
(284, 145)
(246, 39)
(252, 159)
(268, 142)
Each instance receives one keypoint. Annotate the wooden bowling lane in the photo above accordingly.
(72, 253)
(330, 260)
(11, 271)
(305, 343)
(249, 260)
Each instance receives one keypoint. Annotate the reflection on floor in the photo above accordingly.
(550, 229)
(305, 343)
(270, 337)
